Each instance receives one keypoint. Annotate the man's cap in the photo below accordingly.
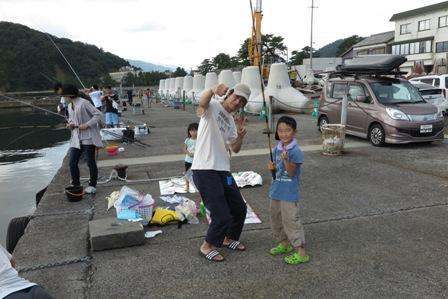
(69, 90)
(242, 90)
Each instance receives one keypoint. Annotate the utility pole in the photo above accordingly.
(311, 42)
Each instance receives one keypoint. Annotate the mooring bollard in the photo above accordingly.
(315, 112)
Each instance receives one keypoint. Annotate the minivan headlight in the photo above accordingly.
(439, 114)
(396, 114)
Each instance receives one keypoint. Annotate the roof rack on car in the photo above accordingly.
(371, 65)
(340, 74)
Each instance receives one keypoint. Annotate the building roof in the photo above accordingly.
(419, 11)
(374, 39)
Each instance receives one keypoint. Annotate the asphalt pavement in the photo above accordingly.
(376, 223)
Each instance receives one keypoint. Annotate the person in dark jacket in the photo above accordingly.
(111, 102)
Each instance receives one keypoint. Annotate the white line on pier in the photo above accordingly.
(242, 153)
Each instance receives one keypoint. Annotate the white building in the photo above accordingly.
(422, 35)
(118, 76)
(320, 64)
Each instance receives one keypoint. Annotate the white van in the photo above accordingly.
(440, 81)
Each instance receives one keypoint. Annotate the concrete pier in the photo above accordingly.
(376, 223)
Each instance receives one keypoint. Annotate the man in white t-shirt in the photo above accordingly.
(14, 287)
(96, 95)
(218, 134)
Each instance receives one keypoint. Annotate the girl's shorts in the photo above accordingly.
(187, 166)
(111, 118)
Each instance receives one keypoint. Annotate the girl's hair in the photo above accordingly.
(192, 126)
(289, 121)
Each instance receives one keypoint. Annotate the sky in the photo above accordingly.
(184, 33)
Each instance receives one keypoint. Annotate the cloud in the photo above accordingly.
(147, 26)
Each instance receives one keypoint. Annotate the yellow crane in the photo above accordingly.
(254, 46)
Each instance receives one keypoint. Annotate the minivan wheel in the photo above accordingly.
(323, 120)
(377, 136)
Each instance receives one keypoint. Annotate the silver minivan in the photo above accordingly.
(381, 108)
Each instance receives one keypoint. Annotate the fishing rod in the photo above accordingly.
(136, 122)
(130, 140)
(18, 138)
(63, 56)
(268, 130)
(48, 78)
(34, 106)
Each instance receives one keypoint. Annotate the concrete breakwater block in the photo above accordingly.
(109, 233)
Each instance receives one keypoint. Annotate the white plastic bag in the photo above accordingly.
(187, 210)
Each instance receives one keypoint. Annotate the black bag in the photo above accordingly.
(128, 135)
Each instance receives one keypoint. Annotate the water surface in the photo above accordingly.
(32, 147)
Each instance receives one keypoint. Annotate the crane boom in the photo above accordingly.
(254, 48)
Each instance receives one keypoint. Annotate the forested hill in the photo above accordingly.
(29, 60)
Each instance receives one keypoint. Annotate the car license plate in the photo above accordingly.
(425, 128)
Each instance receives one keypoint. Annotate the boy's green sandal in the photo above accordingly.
(295, 259)
(280, 249)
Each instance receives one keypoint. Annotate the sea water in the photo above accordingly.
(32, 147)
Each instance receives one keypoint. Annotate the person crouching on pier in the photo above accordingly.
(218, 131)
(83, 122)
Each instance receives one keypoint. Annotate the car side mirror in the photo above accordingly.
(361, 98)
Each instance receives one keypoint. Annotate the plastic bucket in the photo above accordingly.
(74, 193)
(112, 150)
(333, 137)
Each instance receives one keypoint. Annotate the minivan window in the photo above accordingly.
(339, 90)
(355, 90)
(437, 82)
(395, 92)
(328, 90)
(427, 92)
(446, 82)
(427, 81)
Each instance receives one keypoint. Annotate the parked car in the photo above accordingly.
(382, 107)
(440, 81)
(432, 95)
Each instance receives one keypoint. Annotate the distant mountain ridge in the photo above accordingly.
(29, 60)
(331, 49)
(150, 67)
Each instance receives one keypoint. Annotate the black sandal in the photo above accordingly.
(234, 246)
(211, 255)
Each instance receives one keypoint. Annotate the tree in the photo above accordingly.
(27, 51)
(129, 79)
(243, 53)
(347, 43)
(205, 67)
(223, 61)
(107, 80)
(297, 57)
(273, 48)
(179, 72)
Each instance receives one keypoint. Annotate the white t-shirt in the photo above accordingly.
(96, 98)
(10, 281)
(216, 131)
